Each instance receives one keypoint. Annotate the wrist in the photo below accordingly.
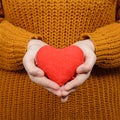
(87, 43)
(35, 42)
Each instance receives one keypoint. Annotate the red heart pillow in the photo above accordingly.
(59, 65)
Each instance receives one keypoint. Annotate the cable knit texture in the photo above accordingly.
(60, 23)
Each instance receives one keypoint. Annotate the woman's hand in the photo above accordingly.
(83, 71)
(36, 74)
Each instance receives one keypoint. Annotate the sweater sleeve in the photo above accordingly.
(13, 42)
(107, 44)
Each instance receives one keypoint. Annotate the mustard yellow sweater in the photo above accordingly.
(59, 23)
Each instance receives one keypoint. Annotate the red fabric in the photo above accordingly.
(59, 65)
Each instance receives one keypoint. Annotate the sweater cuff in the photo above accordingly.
(107, 45)
(13, 42)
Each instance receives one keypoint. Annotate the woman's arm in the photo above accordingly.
(17, 48)
(13, 42)
(107, 42)
(107, 45)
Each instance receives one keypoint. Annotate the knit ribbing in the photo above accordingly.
(13, 42)
(107, 44)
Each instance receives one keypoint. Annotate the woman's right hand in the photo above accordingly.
(36, 74)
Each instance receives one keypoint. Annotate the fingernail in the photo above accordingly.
(56, 87)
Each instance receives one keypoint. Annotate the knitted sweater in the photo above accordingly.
(59, 23)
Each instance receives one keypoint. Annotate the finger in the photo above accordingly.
(79, 80)
(68, 92)
(64, 99)
(55, 92)
(30, 66)
(45, 82)
(87, 66)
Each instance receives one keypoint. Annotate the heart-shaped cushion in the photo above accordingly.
(59, 65)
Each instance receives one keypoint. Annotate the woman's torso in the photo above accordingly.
(60, 22)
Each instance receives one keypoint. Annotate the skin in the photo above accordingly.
(37, 75)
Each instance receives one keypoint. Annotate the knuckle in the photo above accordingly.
(31, 72)
(87, 67)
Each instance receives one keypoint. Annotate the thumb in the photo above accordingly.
(31, 68)
(87, 66)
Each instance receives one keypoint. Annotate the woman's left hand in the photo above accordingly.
(83, 71)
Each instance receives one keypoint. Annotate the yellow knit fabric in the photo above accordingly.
(60, 23)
